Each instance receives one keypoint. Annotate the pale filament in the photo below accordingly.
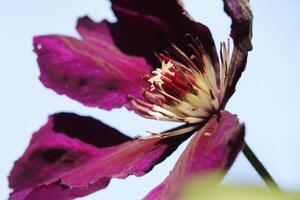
(190, 93)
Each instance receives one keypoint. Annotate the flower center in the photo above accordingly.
(187, 89)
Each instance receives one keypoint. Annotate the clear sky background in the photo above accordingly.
(267, 97)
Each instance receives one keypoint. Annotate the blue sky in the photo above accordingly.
(267, 97)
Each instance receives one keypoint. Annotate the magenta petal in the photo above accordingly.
(93, 70)
(213, 148)
(98, 70)
(72, 156)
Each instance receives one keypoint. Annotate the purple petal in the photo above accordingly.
(97, 70)
(241, 27)
(72, 156)
(150, 25)
(241, 32)
(212, 149)
(93, 70)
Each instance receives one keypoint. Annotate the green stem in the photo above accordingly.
(260, 169)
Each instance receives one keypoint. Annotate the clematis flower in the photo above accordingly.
(72, 156)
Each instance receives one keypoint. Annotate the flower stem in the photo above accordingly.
(260, 169)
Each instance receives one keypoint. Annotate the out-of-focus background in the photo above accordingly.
(267, 97)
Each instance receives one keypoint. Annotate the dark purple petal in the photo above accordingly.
(73, 156)
(149, 25)
(241, 33)
(241, 27)
(93, 70)
(212, 149)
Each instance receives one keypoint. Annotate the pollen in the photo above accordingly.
(158, 74)
(207, 134)
(187, 87)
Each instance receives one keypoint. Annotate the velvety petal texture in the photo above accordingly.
(150, 25)
(72, 156)
(241, 33)
(92, 70)
(212, 149)
(107, 63)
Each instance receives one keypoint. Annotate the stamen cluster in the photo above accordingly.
(189, 89)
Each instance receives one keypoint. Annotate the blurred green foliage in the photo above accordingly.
(210, 189)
